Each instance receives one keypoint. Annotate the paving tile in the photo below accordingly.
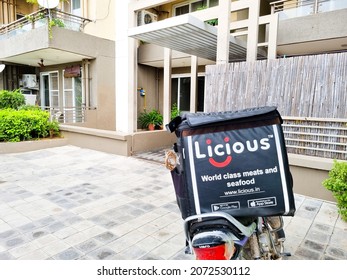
(24, 249)
(315, 246)
(69, 254)
(76, 238)
(104, 253)
(134, 253)
(55, 247)
(166, 251)
(14, 242)
(307, 254)
(318, 236)
(6, 256)
(336, 253)
(8, 234)
(88, 245)
(65, 232)
(339, 238)
(74, 203)
(45, 240)
(106, 237)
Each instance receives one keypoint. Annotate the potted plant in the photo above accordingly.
(150, 120)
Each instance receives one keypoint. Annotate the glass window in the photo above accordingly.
(182, 10)
(198, 5)
(180, 93)
(213, 3)
(76, 7)
(193, 6)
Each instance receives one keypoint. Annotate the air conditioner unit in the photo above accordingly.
(29, 81)
(145, 17)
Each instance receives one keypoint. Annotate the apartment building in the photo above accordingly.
(102, 63)
(62, 58)
(263, 29)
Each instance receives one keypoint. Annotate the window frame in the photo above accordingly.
(174, 7)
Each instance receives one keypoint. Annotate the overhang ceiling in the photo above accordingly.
(189, 35)
(50, 56)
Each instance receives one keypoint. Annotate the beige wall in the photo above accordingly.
(102, 13)
(148, 79)
(102, 83)
(308, 182)
(103, 87)
(23, 8)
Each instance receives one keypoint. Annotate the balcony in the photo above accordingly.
(41, 18)
(321, 24)
(53, 35)
(295, 8)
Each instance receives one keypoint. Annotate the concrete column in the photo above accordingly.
(193, 83)
(272, 41)
(167, 86)
(223, 32)
(125, 69)
(253, 30)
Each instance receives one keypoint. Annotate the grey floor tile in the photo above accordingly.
(106, 237)
(103, 253)
(129, 206)
(69, 254)
(6, 256)
(88, 246)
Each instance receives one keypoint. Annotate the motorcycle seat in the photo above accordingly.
(210, 224)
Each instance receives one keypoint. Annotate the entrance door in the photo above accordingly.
(72, 99)
(180, 93)
(49, 91)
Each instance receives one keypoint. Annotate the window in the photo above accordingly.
(72, 99)
(180, 93)
(193, 6)
(76, 7)
(49, 89)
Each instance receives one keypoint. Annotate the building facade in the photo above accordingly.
(99, 64)
(61, 58)
(177, 39)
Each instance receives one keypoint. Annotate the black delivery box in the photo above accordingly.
(234, 162)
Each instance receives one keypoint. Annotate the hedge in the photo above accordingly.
(11, 99)
(24, 125)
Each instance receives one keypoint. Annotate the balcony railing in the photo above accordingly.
(41, 18)
(296, 8)
(68, 114)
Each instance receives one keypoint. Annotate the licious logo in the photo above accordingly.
(220, 154)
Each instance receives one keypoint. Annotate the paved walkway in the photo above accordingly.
(73, 203)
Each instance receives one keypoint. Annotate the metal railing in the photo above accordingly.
(41, 18)
(68, 114)
(318, 137)
(296, 8)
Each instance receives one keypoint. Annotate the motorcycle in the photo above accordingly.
(220, 236)
(231, 202)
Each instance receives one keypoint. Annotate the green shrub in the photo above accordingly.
(24, 125)
(11, 99)
(30, 107)
(174, 111)
(337, 184)
(53, 128)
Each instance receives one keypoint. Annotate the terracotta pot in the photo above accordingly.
(151, 126)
